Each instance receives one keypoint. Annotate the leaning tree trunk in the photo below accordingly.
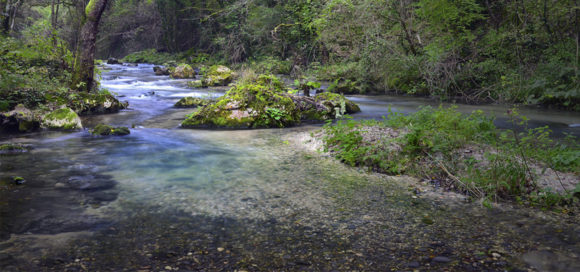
(83, 76)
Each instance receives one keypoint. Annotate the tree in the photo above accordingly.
(8, 14)
(83, 76)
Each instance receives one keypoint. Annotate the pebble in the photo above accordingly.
(168, 268)
(495, 255)
(220, 249)
(441, 259)
(414, 264)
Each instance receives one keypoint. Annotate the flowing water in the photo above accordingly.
(168, 199)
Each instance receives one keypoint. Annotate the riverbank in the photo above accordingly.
(466, 154)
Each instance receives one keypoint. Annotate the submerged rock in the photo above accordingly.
(183, 71)
(64, 118)
(192, 102)
(263, 103)
(106, 130)
(13, 148)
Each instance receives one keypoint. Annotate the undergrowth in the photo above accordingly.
(443, 145)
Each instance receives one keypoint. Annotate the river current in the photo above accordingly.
(170, 199)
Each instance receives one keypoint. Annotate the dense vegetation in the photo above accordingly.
(467, 153)
(471, 50)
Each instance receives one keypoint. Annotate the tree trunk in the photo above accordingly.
(83, 77)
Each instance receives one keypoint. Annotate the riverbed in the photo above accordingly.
(170, 199)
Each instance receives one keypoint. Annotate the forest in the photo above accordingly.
(524, 52)
(298, 135)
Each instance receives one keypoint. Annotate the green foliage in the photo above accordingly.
(152, 56)
(430, 143)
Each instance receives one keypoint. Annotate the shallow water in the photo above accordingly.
(164, 198)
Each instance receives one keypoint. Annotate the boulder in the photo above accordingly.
(192, 102)
(131, 64)
(97, 103)
(261, 103)
(106, 130)
(64, 118)
(113, 61)
(183, 71)
(21, 119)
(195, 84)
(217, 75)
(161, 71)
(337, 102)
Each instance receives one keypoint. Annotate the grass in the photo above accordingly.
(466, 152)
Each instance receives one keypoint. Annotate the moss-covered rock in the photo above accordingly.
(96, 103)
(183, 71)
(21, 119)
(258, 104)
(196, 84)
(217, 75)
(263, 103)
(106, 130)
(13, 148)
(64, 118)
(337, 102)
(192, 102)
(161, 71)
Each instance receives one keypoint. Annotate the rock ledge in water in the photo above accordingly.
(106, 130)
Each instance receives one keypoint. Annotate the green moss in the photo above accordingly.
(13, 148)
(121, 131)
(64, 118)
(192, 102)
(90, 7)
(27, 126)
(217, 75)
(106, 130)
(263, 102)
(182, 71)
(102, 129)
(196, 84)
(334, 100)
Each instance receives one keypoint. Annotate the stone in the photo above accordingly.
(217, 75)
(97, 103)
(65, 119)
(113, 61)
(414, 264)
(192, 102)
(183, 71)
(195, 84)
(161, 71)
(263, 102)
(21, 119)
(106, 130)
(441, 259)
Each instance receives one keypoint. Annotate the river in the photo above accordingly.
(169, 199)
